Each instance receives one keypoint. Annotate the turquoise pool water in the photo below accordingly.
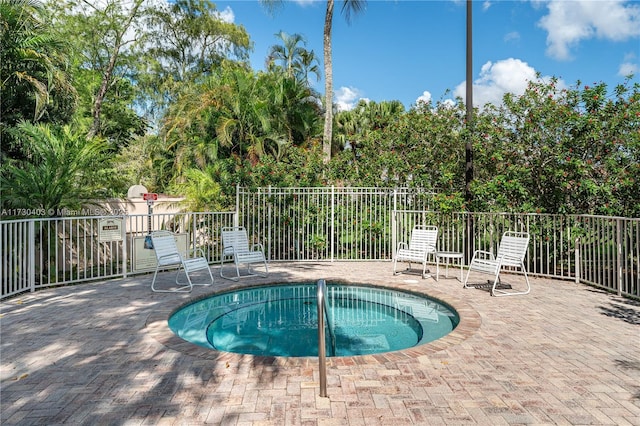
(282, 320)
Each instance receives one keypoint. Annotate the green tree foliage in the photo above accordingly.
(148, 162)
(294, 111)
(390, 147)
(354, 125)
(294, 60)
(239, 114)
(188, 40)
(201, 189)
(60, 171)
(549, 150)
(106, 39)
(233, 127)
(561, 150)
(349, 8)
(35, 84)
(217, 123)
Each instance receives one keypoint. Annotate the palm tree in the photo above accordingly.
(294, 111)
(309, 64)
(239, 115)
(296, 61)
(355, 125)
(287, 54)
(201, 190)
(61, 171)
(349, 7)
(35, 84)
(242, 120)
(227, 113)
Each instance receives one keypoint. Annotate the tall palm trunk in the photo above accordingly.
(328, 85)
(348, 7)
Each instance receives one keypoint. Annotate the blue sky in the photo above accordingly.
(404, 50)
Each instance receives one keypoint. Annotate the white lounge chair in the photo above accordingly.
(421, 245)
(235, 243)
(511, 253)
(168, 256)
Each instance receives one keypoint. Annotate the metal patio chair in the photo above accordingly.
(168, 256)
(511, 253)
(235, 244)
(421, 245)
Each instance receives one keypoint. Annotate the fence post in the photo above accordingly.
(468, 236)
(32, 255)
(332, 226)
(192, 233)
(269, 223)
(236, 216)
(619, 255)
(576, 254)
(394, 232)
(124, 246)
(394, 224)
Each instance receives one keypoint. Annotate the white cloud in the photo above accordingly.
(227, 15)
(347, 98)
(505, 76)
(305, 2)
(448, 103)
(629, 65)
(570, 22)
(627, 68)
(512, 36)
(425, 97)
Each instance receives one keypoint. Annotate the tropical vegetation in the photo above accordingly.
(96, 97)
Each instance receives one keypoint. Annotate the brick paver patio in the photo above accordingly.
(101, 353)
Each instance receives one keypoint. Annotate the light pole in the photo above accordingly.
(468, 175)
(469, 86)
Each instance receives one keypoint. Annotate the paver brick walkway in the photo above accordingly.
(101, 353)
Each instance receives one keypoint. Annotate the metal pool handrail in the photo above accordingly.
(325, 305)
(332, 335)
(322, 356)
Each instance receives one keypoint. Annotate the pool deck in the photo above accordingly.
(101, 353)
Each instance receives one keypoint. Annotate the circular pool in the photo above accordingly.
(282, 320)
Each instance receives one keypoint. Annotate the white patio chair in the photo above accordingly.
(168, 256)
(235, 243)
(421, 245)
(511, 253)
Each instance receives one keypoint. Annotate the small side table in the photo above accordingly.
(447, 256)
